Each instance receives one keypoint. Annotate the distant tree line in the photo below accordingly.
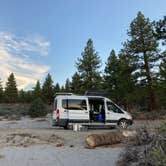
(133, 77)
(10, 94)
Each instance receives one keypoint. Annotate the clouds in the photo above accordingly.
(13, 51)
(34, 44)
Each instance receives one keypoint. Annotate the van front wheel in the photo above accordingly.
(123, 124)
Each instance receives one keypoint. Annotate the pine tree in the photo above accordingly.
(47, 90)
(21, 96)
(162, 85)
(76, 84)
(88, 66)
(28, 96)
(143, 46)
(163, 71)
(111, 76)
(127, 79)
(37, 92)
(68, 85)
(11, 92)
(62, 89)
(1, 92)
(56, 88)
(160, 30)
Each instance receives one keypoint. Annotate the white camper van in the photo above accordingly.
(89, 111)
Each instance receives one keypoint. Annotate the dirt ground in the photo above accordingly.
(33, 142)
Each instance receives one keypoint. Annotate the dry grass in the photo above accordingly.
(146, 149)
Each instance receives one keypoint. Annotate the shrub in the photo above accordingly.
(37, 108)
(146, 149)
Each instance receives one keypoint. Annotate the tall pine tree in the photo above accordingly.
(88, 66)
(56, 88)
(37, 92)
(11, 92)
(76, 84)
(111, 76)
(119, 79)
(143, 46)
(47, 90)
(68, 85)
(162, 85)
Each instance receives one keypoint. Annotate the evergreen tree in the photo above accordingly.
(68, 85)
(56, 88)
(1, 92)
(127, 79)
(143, 46)
(37, 92)
(111, 77)
(11, 92)
(28, 96)
(76, 84)
(163, 71)
(162, 85)
(47, 90)
(21, 96)
(62, 89)
(119, 79)
(88, 66)
(160, 30)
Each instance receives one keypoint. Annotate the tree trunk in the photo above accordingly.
(153, 103)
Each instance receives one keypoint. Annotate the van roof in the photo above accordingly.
(70, 96)
(77, 96)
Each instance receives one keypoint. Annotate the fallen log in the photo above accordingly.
(95, 140)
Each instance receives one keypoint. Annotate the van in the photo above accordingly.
(88, 111)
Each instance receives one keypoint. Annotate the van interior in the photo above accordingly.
(97, 110)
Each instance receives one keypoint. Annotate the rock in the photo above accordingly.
(59, 144)
(14, 117)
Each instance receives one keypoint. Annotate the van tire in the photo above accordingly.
(123, 123)
(66, 127)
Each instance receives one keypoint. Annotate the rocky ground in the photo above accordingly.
(33, 142)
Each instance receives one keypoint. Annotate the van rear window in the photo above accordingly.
(74, 104)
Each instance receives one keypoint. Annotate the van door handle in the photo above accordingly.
(86, 112)
(65, 111)
(108, 112)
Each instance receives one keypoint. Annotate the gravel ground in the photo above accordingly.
(49, 156)
(37, 149)
(42, 152)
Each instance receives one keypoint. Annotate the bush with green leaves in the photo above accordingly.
(37, 109)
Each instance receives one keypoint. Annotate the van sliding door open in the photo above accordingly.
(97, 109)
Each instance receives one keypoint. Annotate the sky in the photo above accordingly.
(38, 37)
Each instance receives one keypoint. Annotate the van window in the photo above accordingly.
(74, 104)
(112, 107)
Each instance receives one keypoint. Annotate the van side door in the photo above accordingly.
(78, 110)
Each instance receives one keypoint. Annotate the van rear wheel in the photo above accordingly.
(123, 124)
(66, 127)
